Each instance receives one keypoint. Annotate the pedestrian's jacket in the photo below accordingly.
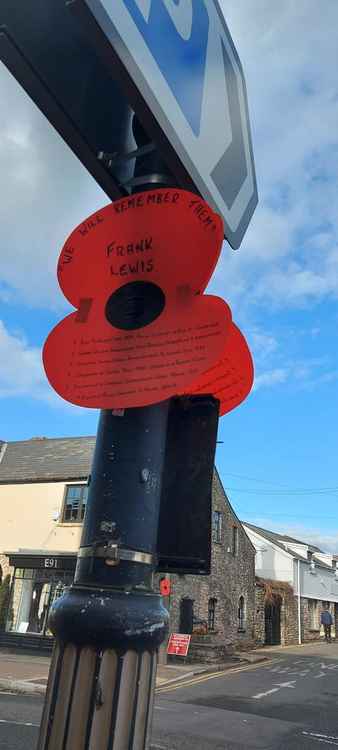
(326, 618)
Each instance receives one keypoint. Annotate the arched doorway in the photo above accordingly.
(273, 621)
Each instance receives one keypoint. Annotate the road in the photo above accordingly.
(288, 703)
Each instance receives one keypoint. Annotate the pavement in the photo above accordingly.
(288, 702)
(28, 675)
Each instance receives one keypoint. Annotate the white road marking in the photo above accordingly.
(323, 738)
(290, 684)
(214, 675)
(19, 723)
(268, 692)
(275, 689)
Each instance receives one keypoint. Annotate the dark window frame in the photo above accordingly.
(216, 528)
(212, 613)
(241, 614)
(82, 501)
(234, 541)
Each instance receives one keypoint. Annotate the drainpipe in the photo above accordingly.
(299, 617)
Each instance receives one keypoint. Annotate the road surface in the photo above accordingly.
(289, 703)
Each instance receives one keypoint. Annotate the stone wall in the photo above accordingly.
(289, 619)
(232, 576)
(5, 567)
(310, 630)
(259, 614)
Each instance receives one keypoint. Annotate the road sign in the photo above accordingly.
(184, 77)
(178, 644)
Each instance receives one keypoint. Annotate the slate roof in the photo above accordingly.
(278, 540)
(46, 459)
(273, 536)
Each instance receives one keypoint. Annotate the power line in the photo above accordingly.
(277, 484)
(267, 514)
(293, 493)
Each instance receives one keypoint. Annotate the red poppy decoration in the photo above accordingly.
(142, 331)
(231, 378)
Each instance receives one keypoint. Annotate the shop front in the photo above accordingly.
(38, 580)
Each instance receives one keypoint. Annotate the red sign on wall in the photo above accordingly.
(178, 644)
(165, 587)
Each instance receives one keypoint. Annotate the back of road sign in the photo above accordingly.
(185, 81)
(84, 62)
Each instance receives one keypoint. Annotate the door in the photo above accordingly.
(186, 616)
(272, 622)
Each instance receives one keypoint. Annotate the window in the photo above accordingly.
(241, 613)
(216, 526)
(313, 614)
(211, 613)
(32, 594)
(75, 503)
(234, 540)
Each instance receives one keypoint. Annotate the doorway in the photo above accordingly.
(186, 616)
(273, 621)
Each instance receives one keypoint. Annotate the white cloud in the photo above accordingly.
(263, 344)
(21, 369)
(271, 378)
(22, 373)
(45, 193)
(288, 51)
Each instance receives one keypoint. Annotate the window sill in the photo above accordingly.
(68, 524)
(241, 630)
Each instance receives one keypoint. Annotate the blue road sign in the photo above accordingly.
(180, 57)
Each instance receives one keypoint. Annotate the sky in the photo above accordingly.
(277, 452)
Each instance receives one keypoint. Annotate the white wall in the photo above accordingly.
(27, 513)
(271, 562)
(319, 584)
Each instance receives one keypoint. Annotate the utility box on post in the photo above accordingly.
(184, 538)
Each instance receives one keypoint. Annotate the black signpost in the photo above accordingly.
(152, 468)
(110, 624)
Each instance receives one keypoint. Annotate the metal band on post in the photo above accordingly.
(113, 553)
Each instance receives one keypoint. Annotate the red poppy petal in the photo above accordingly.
(170, 237)
(231, 378)
(91, 363)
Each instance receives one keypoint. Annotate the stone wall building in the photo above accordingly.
(222, 604)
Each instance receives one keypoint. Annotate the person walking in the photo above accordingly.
(326, 620)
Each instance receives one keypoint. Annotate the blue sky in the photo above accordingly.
(278, 457)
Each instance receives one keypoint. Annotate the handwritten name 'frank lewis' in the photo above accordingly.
(131, 250)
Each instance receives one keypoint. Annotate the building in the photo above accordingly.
(43, 493)
(42, 502)
(295, 582)
(218, 609)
